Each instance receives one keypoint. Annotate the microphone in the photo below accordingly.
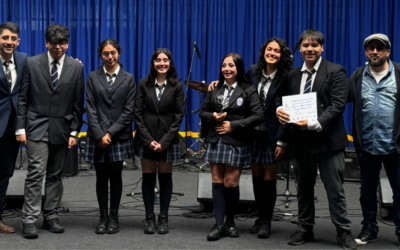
(197, 49)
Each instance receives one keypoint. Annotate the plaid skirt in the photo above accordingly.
(172, 153)
(238, 156)
(261, 152)
(117, 151)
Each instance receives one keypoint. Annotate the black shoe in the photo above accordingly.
(162, 224)
(265, 230)
(346, 240)
(53, 226)
(113, 223)
(369, 233)
(29, 231)
(256, 227)
(231, 228)
(217, 232)
(299, 237)
(149, 227)
(102, 225)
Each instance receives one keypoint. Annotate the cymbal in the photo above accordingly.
(198, 85)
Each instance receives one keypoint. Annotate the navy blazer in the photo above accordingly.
(244, 113)
(159, 120)
(330, 84)
(275, 130)
(42, 108)
(110, 108)
(355, 84)
(8, 98)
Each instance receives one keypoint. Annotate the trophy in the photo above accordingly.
(220, 104)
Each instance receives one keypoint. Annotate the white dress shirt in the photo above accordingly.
(13, 70)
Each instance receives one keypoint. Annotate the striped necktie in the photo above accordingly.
(307, 87)
(161, 89)
(54, 73)
(110, 78)
(8, 72)
(228, 96)
(263, 94)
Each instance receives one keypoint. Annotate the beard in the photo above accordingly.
(378, 63)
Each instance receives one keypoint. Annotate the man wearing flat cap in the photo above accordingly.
(374, 90)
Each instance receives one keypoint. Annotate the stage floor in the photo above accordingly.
(185, 233)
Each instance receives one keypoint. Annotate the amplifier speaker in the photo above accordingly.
(70, 167)
(351, 166)
(17, 184)
(385, 199)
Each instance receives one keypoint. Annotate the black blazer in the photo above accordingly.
(355, 84)
(10, 98)
(275, 130)
(330, 84)
(158, 121)
(110, 109)
(243, 118)
(42, 108)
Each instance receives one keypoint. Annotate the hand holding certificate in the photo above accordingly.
(300, 107)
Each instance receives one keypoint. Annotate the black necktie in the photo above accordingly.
(307, 87)
(8, 73)
(54, 73)
(161, 89)
(262, 91)
(110, 78)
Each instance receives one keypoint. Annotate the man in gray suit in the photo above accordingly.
(49, 118)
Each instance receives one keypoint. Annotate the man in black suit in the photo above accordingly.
(10, 77)
(319, 142)
(50, 109)
(374, 91)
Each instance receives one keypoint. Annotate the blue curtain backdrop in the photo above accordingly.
(218, 26)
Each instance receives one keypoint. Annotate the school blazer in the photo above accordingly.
(244, 112)
(158, 121)
(330, 84)
(42, 108)
(355, 84)
(275, 130)
(110, 108)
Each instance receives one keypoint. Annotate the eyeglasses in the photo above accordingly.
(61, 44)
(372, 48)
(158, 60)
(106, 53)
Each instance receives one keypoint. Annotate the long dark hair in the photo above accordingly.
(112, 42)
(284, 65)
(241, 72)
(172, 76)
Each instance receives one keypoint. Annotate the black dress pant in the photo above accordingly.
(8, 156)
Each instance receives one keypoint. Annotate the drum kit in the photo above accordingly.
(200, 87)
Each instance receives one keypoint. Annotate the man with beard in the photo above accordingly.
(374, 91)
(10, 80)
(319, 143)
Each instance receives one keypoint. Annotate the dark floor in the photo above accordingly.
(185, 233)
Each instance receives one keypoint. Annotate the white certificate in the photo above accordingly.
(301, 107)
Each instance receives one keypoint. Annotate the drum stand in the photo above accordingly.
(199, 141)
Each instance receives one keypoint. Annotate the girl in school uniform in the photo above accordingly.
(110, 101)
(158, 116)
(231, 110)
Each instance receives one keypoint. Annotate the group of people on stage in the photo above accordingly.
(42, 98)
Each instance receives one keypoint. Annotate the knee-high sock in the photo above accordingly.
(148, 184)
(102, 184)
(258, 195)
(269, 199)
(218, 194)
(232, 195)
(165, 180)
(115, 173)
